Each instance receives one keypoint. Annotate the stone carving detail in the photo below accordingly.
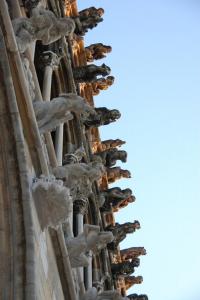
(101, 84)
(79, 177)
(52, 200)
(49, 58)
(90, 72)
(110, 157)
(50, 114)
(80, 206)
(30, 4)
(43, 25)
(29, 78)
(120, 231)
(104, 116)
(96, 51)
(116, 173)
(132, 253)
(92, 294)
(88, 19)
(76, 157)
(116, 198)
(137, 297)
(125, 268)
(108, 144)
(132, 280)
(92, 239)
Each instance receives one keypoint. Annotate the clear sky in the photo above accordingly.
(156, 62)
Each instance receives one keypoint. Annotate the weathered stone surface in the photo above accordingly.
(108, 144)
(92, 294)
(116, 198)
(29, 78)
(90, 72)
(104, 116)
(52, 201)
(132, 252)
(76, 157)
(88, 19)
(120, 231)
(125, 268)
(137, 297)
(96, 51)
(42, 25)
(50, 114)
(132, 280)
(101, 84)
(92, 239)
(116, 173)
(80, 176)
(109, 157)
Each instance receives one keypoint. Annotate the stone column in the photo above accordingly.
(59, 143)
(79, 210)
(88, 272)
(50, 62)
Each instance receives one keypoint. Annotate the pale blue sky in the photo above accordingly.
(156, 62)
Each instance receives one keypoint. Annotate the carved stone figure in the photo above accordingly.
(90, 72)
(125, 268)
(50, 114)
(43, 25)
(108, 144)
(116, 173)
(96, 51)
(117, 198)
(79, 177)
(132, 252)
(88, 19)
(132, 280)
(101, 84)
(125, 202)
(110, 157)
(92, 239)
(104, 116)
(92, 294)
(52, 201)
(137, 297)
(120, 231)
(91, 11)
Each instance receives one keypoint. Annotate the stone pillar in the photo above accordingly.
(80, 208)
(50, 62)
(88, 272)
(59, 143)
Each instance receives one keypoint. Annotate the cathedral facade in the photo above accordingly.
(59, 239)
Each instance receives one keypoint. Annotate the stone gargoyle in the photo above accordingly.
(43, 25)
(137, 297)
(79, 177)
(90, 72)
(50, 114)
(91, 239)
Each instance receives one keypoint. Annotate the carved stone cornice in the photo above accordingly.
(80, 206)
